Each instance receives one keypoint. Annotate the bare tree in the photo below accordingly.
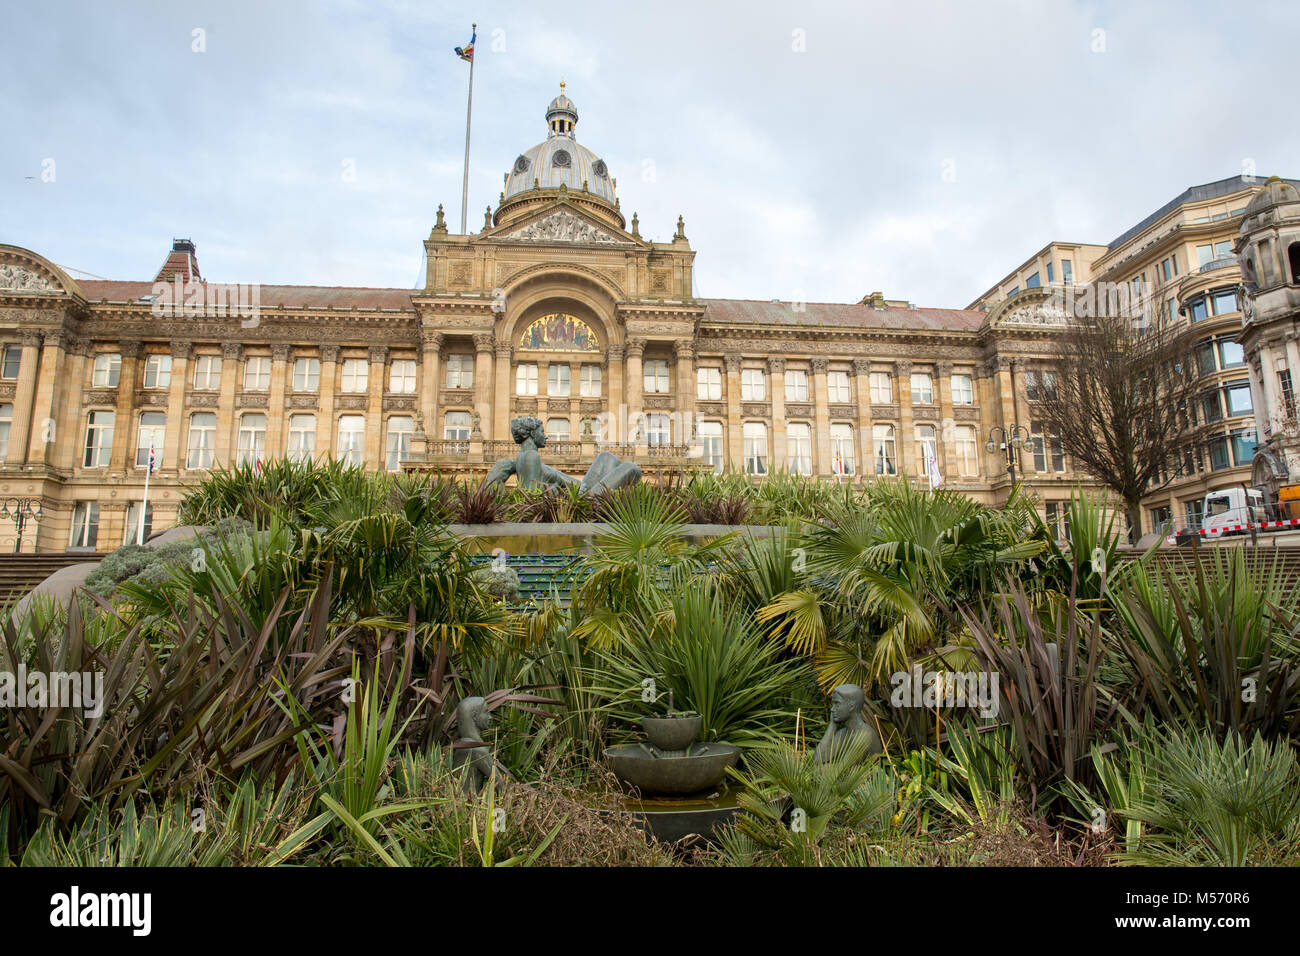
(1120, 404)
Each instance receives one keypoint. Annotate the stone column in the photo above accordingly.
(329, 360)
(430, 381)
(735, 439)
(821, 418)
(227, 416)
(1023, 416)
(67, 434)
(504, 372)
(173, 452)
(277, 414)
(634, 383)
(862, 387)
(484, 398)
(123, 423)
(616, 396)
(376, 442)
(684, 433)
(945, 449)
(776, 375)
(906, 426)
(575, 400)
(25, 396)
(48, 399)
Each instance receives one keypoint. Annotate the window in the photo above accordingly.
(755, 438)
(401, 376)
(1049, 451)
(1205, 358)
(257, 373)
(708, 383)
(1057, 518)
(356, 375)
(85, 525)
(401, 428)
(1223, 249)
(1224, 300)
(1230, 354)
(460, 371)
(798, 448)
(107, 370)
(456, 426)
(657, 430)
(302, 437)
(1204, 254)
(656, 375)
(6, 422)
(207, 371)
(838, 387)
(1219, 454)
(1051, 273)
(882, 440)
(157, 371)
(526, 379)
(99, 439)
(922, 389)
(1288, 396)
(711, 440)
(1198, 309)
(882, 388)
(557, 379)
(963, 390)
(843, 461)
(252, 437)
(590, 382)
(131, 533)
(925, 448)
(753, 385)
(1243, 448)
(1033, 282)
(557, 429)
(10, 361)
(1238, 395)
(151, 434)
(202, 440)
(796, 385)
(1211, 406)
(1039, 385)
(967, 451)
(306, 374)
(1067, 272)
(352, 439)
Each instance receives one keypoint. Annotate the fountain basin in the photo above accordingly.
(689, 771)
(672, 733)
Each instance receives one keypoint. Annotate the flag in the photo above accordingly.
(152, 458)
(932, 468)
(466, 52)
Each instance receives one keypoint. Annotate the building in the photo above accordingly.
(1179, 262)
(559, 308)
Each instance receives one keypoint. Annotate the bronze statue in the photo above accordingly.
(606, 470)
(847, 722)
(471, 754)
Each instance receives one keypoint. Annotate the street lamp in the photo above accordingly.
(20, 511)
(1011, 440)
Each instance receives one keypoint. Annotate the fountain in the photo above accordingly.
(679, 778)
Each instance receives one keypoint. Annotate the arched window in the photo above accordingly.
(1293, 254)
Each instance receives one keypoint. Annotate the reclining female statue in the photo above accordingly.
(606, 470)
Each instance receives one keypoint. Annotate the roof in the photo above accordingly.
(1214, 190)
(840, 315)
(270, 296)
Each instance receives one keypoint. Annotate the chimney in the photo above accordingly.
(180, 262)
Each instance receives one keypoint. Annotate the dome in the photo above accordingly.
(1275, 192)
(560, 160)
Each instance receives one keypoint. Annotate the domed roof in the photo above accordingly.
(1275, 191)
(560, 159)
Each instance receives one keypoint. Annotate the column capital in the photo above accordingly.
(861, 366)
(431, 341)
(820, 365)
(484, 341)
(35, 338)
(232, 350)
(329, 353)
(130, 348)
(732, 361)
(775, 365)
(378, 353)
(614, 353)
(281, 352)
(635, 348)
(903, 367)
(684, 349)
(943, 369)
(182, 348)
(504, 350)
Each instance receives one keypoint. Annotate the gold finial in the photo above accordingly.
(561, 87)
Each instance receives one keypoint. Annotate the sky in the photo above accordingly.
(817, 151)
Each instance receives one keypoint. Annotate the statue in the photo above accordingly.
(606, 471)
(471, 753)
(847, 722)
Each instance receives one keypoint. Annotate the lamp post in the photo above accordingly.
(20, 511)
(1011, 439)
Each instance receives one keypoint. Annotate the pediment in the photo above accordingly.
(562, 224)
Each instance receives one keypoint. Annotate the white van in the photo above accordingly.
(1226, 511)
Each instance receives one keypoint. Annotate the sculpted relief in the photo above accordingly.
(562, 226)
(22, 279)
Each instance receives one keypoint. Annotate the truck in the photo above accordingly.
(1230, 511)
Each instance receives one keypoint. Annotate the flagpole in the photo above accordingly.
(144, 504)
(469, 104)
